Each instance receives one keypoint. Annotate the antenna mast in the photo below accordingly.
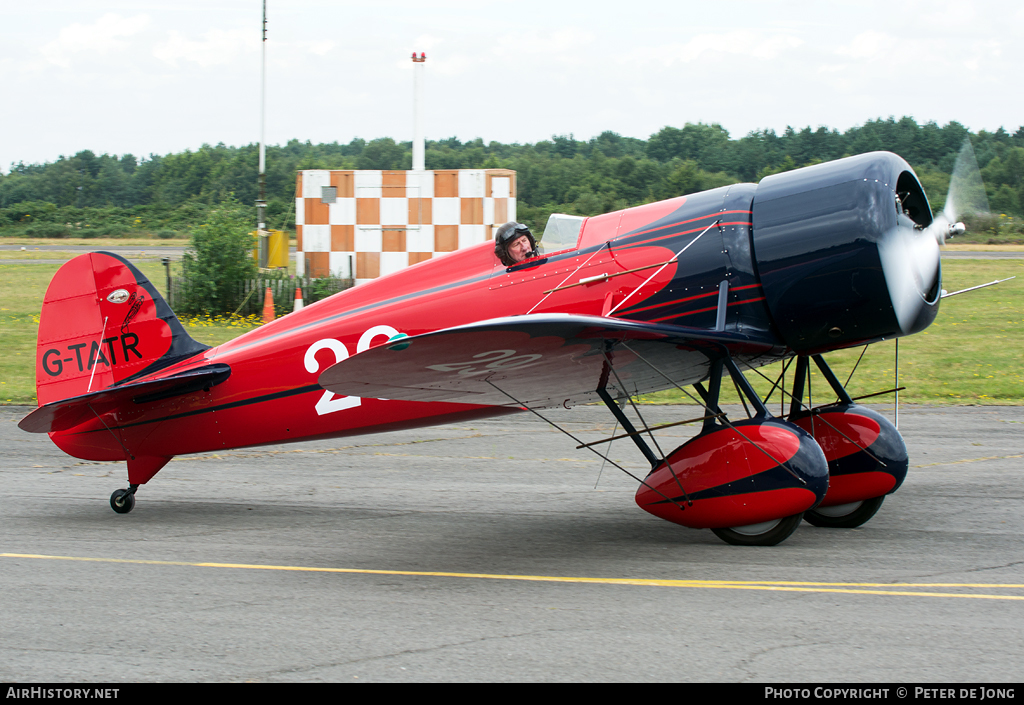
(261, 202)
(418, 161)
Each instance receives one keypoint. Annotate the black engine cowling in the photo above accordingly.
(842, 254)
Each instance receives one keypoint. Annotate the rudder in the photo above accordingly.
(104, 323)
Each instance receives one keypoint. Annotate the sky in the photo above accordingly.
(149, 77)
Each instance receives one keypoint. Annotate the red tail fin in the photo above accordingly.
(103, 323)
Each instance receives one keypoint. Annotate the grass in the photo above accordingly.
(979, 247)
(36, 254)
(215, 330)
(970, 355)
(96, 242)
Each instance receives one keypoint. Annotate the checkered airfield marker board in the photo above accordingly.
(364, 224)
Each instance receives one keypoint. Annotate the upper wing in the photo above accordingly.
(541, 360)
(68, 413)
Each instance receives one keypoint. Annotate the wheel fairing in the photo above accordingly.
(730, 481)
(866, 455)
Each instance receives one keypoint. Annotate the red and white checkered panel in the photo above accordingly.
(368, 223)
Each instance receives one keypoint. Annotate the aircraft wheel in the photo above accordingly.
(767, 533)
(845, 516)
(122, 501)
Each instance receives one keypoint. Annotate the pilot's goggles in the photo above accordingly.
(513, 233)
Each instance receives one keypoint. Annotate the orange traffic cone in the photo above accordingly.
(298, 299)
(268, 306)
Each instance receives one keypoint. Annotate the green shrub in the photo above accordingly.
(992, 229)
(218, 259)
(54, 230)
(107, 230)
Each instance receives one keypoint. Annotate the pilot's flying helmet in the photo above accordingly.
(506, 235)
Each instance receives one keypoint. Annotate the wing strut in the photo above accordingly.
(711, 401)
(640, 443)
(647, 430)
(840, 391)
(830, 377)
(637, 438)
(553, 424)
(631, 431)
(560, 287)
(779, 383)
(674, 258)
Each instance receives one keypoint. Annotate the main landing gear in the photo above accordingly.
(123, 501)
(867, 458)
(750, 482)
(753, 481)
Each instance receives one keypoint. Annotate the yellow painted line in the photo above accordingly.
(780, 586)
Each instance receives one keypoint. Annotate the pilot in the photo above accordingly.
(513, 243)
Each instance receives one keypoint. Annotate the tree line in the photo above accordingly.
(90, 194)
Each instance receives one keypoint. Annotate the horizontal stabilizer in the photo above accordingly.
(68, 413)
(540, 360)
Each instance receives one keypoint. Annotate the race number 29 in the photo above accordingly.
(329, 402)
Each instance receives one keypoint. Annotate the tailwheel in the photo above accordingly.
(766, 533)
(123, 501)
(845, 516)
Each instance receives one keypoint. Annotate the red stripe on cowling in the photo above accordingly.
(704, 310)
(685, 232)
(691, 220)
(631, 310)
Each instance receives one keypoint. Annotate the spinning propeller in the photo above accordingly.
(910, 255)
(966, 196)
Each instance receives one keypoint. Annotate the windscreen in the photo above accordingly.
(561, 232)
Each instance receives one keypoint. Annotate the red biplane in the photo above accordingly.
(689, 292)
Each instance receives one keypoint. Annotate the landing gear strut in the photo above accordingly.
(757, 476)
(123, 501)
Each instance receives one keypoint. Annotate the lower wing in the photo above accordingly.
(542, 360)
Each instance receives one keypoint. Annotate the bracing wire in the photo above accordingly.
(556, 426)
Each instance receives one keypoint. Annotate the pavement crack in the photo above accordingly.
(982, 569)
(406, 652)
(746, 665)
